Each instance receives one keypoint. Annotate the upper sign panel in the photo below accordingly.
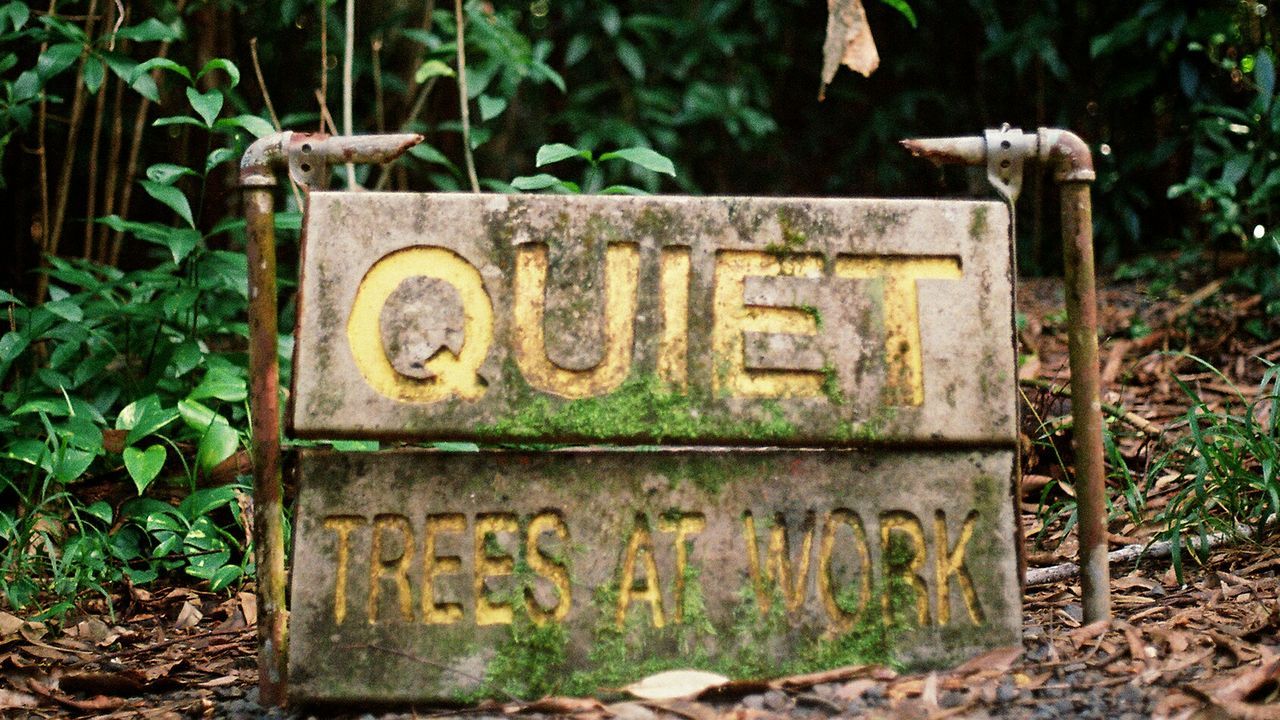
(658, 319)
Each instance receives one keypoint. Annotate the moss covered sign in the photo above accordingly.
(855, 356)
(621, 319)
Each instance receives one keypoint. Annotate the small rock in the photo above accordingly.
(753, 702)
(826, 691)
(951, 699)
(631, 711)
(1007, 692)
(777, 700)
(1074, 611)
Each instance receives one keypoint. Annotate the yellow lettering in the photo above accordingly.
(548, 567)
(778, 571)
(491, 561)
(951, 562)
(451, 375)
(684, 526)
(397, 567)
(899, 565)
(905, 382)
(433, 566)
(342, 525)
(650, 592)
(842, 618)
(732, 318)
(622, 273)
(673, 350)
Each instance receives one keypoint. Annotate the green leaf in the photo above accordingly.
(631, 59)
(427, 153)
(218, 443)
(645, 158)
(555, 152)
(206, 500)
(198, 416)
(18, 13)
(65, 309)
(222, 384)
(26, 86)
(144, 417)
(178, 120)
(71, 464)
(160, 64)
(540, 181)
(223, 577)
(168, 173)
(491, 107)
(255, 125)
(124, 68)
(224, 65)
(100, 510)
(94, 73)
(150, 30)
(206, 104)
(902, 7)
(217, 157)
(144, 465)
(181, 241)
(171, 197)
(57, 58)
(432, 68)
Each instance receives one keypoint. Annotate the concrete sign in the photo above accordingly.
(423, 575)
(667, 319)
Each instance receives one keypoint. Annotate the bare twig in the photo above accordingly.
(111, 46)
(1131, 418)
(462, 97)
(379, 114)
(99, 111)
(323, 93)
(419, 103)
(348, 59)
(42, 125)
(63, 196)
(113, 165)
(326, 120)
(271, 110)
(1155, 550)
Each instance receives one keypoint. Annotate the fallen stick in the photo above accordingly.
(1163, 548)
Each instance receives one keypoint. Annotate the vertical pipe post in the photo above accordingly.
(264, 378)
(1086, 400)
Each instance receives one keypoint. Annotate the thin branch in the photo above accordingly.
(323, 93)
(43, 152)
(462, 98)
(271, 110)
(99, 112)
(379, 113)
(1131, 418)
(348, 59)
(419, 103)
(113, 164)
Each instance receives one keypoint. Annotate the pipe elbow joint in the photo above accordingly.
(260, 160)
(1067, 154)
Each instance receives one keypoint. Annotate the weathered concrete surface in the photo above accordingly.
(666, 319)
(411, 566)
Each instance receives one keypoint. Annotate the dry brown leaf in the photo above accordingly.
(848, 42)
(189, 616)
(558, 706)
(674, 684)
(98, 704)
(14, 700)
(840, 674)
(249, 606)
(9, 624)
(998, 661)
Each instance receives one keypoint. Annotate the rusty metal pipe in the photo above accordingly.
(307, 157)
(1068, 156)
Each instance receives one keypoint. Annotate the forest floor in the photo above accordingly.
(1206, 645)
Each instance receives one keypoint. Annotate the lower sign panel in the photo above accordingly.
(423, 575)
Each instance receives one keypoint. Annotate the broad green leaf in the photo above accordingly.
(94, 73)
(224, 65)
(168, 173)
(1264, 74)
(218, 156)
(26, 86)
(198, 416)
(491, 107)
(221, 384)
(100, 510)
(181, 241)
(49, 406)
(71, 464)
(255, 125)
(18, 14)
(555, 152)
(223, 577)
(427, 153)
(144, 465)
(150, 30)
(160, 64)
(623, 190)
(144, 417)
(12, 344)
(540, 181)
(65, 309)
(645, 158)
(124, 68)
(218, 443)
(631, 59)
(57, 58)
(206, 104)
(206, 500)
(432, 68)
(171, 197)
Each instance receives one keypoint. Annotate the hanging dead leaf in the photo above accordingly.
(675, 684)
(848, 42)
